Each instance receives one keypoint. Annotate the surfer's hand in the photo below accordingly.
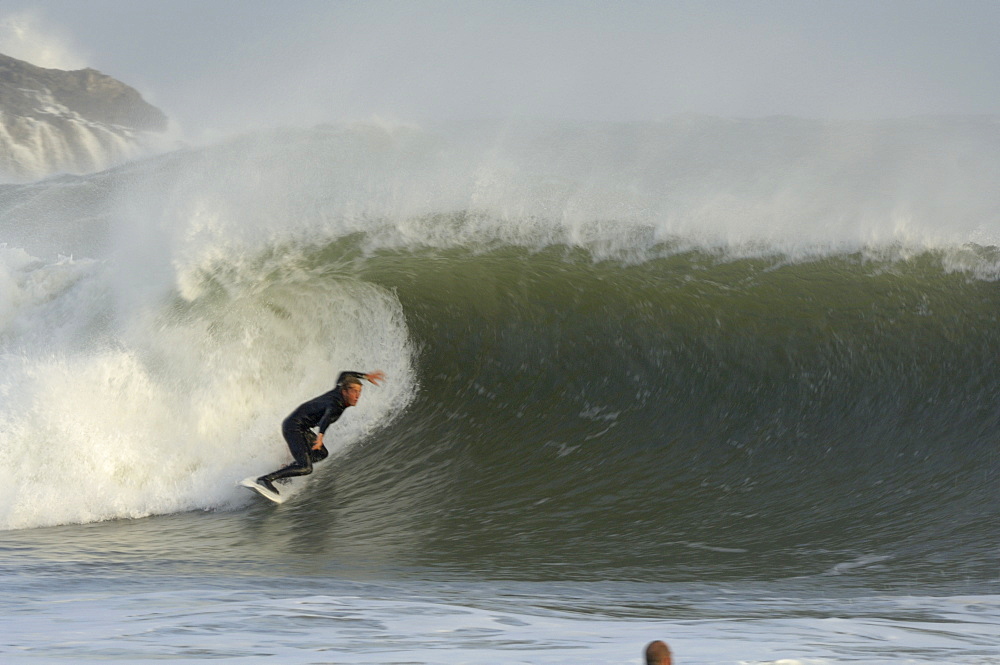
(319, 442)
(375, 377)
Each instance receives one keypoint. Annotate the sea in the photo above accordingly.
(733, 384)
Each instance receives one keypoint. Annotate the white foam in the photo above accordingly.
(35, 147)
(165, 409)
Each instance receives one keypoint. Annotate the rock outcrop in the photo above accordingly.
(68, 121)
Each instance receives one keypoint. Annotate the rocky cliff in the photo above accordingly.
(79, 121)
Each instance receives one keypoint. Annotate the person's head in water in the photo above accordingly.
(350, 388)
(657, 653)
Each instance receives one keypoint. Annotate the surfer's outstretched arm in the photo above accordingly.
(373, 378)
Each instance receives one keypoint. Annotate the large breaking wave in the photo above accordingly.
(772, 336)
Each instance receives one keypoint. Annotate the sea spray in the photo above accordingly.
(774, 185)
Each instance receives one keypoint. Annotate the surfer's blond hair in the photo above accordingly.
(350, 381)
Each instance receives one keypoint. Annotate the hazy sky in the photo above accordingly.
(228, 64)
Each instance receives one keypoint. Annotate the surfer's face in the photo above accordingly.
(351, 394)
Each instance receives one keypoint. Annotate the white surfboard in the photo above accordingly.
(251, 483)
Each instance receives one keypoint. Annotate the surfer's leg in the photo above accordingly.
(299, 443)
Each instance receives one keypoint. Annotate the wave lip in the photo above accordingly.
(743, 188)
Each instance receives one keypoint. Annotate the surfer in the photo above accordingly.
(658, 653)
(319, 412)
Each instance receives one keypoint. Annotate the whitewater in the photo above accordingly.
(730, 383)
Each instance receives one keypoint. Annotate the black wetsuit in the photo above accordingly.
(319, 412)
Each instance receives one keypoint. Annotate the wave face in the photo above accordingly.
(638, 350)
(757, 414)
